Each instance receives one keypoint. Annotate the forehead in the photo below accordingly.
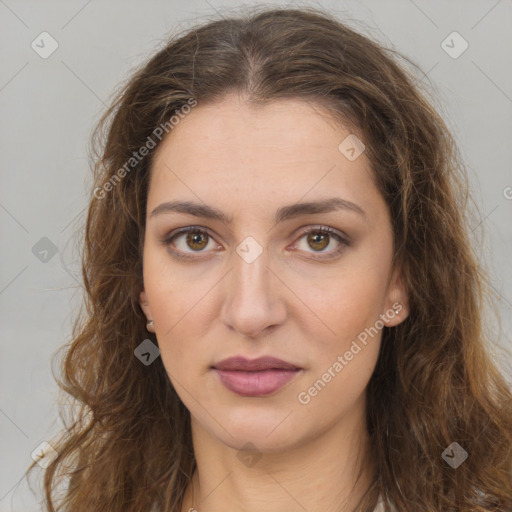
(257, 156)
(233, 128)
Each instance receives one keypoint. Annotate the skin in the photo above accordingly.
(248, 161)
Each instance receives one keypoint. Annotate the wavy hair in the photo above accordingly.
(127, 446)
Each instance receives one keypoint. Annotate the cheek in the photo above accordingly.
(170, 298)
(350, 347)
(342, 363)
(348, 300)
(344, 347)
(181, 299)
(172, 290)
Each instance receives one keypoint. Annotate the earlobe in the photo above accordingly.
(395, 314)
(397, 306)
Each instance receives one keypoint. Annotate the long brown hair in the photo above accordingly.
(128, 445)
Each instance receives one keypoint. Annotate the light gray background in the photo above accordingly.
(49, 107)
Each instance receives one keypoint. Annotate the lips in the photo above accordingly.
(256, 377)
(254, 365)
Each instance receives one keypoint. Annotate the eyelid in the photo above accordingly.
(341, 237)
(175, 233)
(324, 229)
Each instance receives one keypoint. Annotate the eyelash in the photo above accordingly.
(196, 229)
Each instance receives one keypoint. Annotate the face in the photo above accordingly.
(312, 287)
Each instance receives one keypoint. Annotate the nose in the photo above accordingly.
(254, 302)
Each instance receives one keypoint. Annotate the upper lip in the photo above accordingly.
(261, 363)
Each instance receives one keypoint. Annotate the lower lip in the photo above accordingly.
(259, 383)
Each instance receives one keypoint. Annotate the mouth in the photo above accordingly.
(257, 377)
(240, 363)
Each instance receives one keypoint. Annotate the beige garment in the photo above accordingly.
(380, 506)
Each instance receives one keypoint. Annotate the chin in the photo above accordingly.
(259, 441)
(265, 430)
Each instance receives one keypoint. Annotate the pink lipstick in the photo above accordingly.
(256, 377)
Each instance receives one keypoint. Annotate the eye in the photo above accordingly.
(193, 237)
(320, 238)
(198, 239)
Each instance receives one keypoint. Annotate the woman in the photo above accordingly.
(283, 307)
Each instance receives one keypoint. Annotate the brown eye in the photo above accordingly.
(319, 239)
(196, 241)
(191, 239)
(188, 240)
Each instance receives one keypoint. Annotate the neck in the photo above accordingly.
(329, 472)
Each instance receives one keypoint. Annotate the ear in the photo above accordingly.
(146, 309)
(397, 301)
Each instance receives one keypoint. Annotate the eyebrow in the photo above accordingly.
(282, 214)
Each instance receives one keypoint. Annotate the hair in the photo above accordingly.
(128, 445)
